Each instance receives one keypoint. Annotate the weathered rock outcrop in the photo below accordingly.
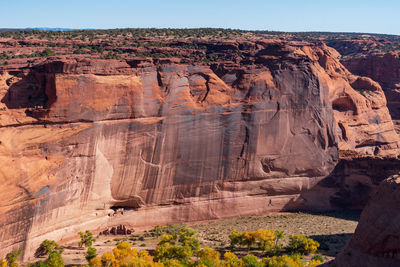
(167, 142)
(376, 239)
(385, 69)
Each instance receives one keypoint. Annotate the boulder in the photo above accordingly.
(376, 239)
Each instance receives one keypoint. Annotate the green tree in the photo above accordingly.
(46, 247)
(12, 258)
(248, 239)
(230, 260)
(87, 239)
(188, 237)
(90, 254)
(235, 238)
(169, 251)
(283, 261)
(209, 257)
(55, 260)
(181, 246)
(250, 261)
(279, 235)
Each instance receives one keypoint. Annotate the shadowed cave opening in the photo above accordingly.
(344, 103)
(116, 208)
(127, 204)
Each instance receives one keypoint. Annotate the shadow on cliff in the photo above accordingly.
(33, 91)
(27, 92)
(351, 184)
(330, 245)
(346, 214)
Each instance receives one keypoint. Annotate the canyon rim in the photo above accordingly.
(266, 125)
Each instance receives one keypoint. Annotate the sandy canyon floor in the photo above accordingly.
(330, 229)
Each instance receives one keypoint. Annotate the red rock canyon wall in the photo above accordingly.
(175, 142)
(385, 69)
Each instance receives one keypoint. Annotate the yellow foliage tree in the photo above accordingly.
(230, 260)
(107, 259)
(302, 244)
(209, 257)
(125, 255)
(95, 262)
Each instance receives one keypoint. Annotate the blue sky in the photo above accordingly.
(380, 16)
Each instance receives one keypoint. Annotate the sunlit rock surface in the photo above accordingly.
(289, 128)
(385, 69)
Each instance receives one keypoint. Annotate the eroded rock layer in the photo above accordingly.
(385, 69)
(178, 142)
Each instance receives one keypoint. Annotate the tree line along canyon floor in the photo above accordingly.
(330, 229)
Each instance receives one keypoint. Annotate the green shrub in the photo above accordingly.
(173, 229)
(250, 261)
(318, 257)
(46, 247)
(167, 239)
(90, 254)
(47, 53)
(282, 261)
(157, 231)
(188, 237)
(12, 258)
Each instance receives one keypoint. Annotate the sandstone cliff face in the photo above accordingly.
(376, 239)
(180, 142)
(385, 69)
